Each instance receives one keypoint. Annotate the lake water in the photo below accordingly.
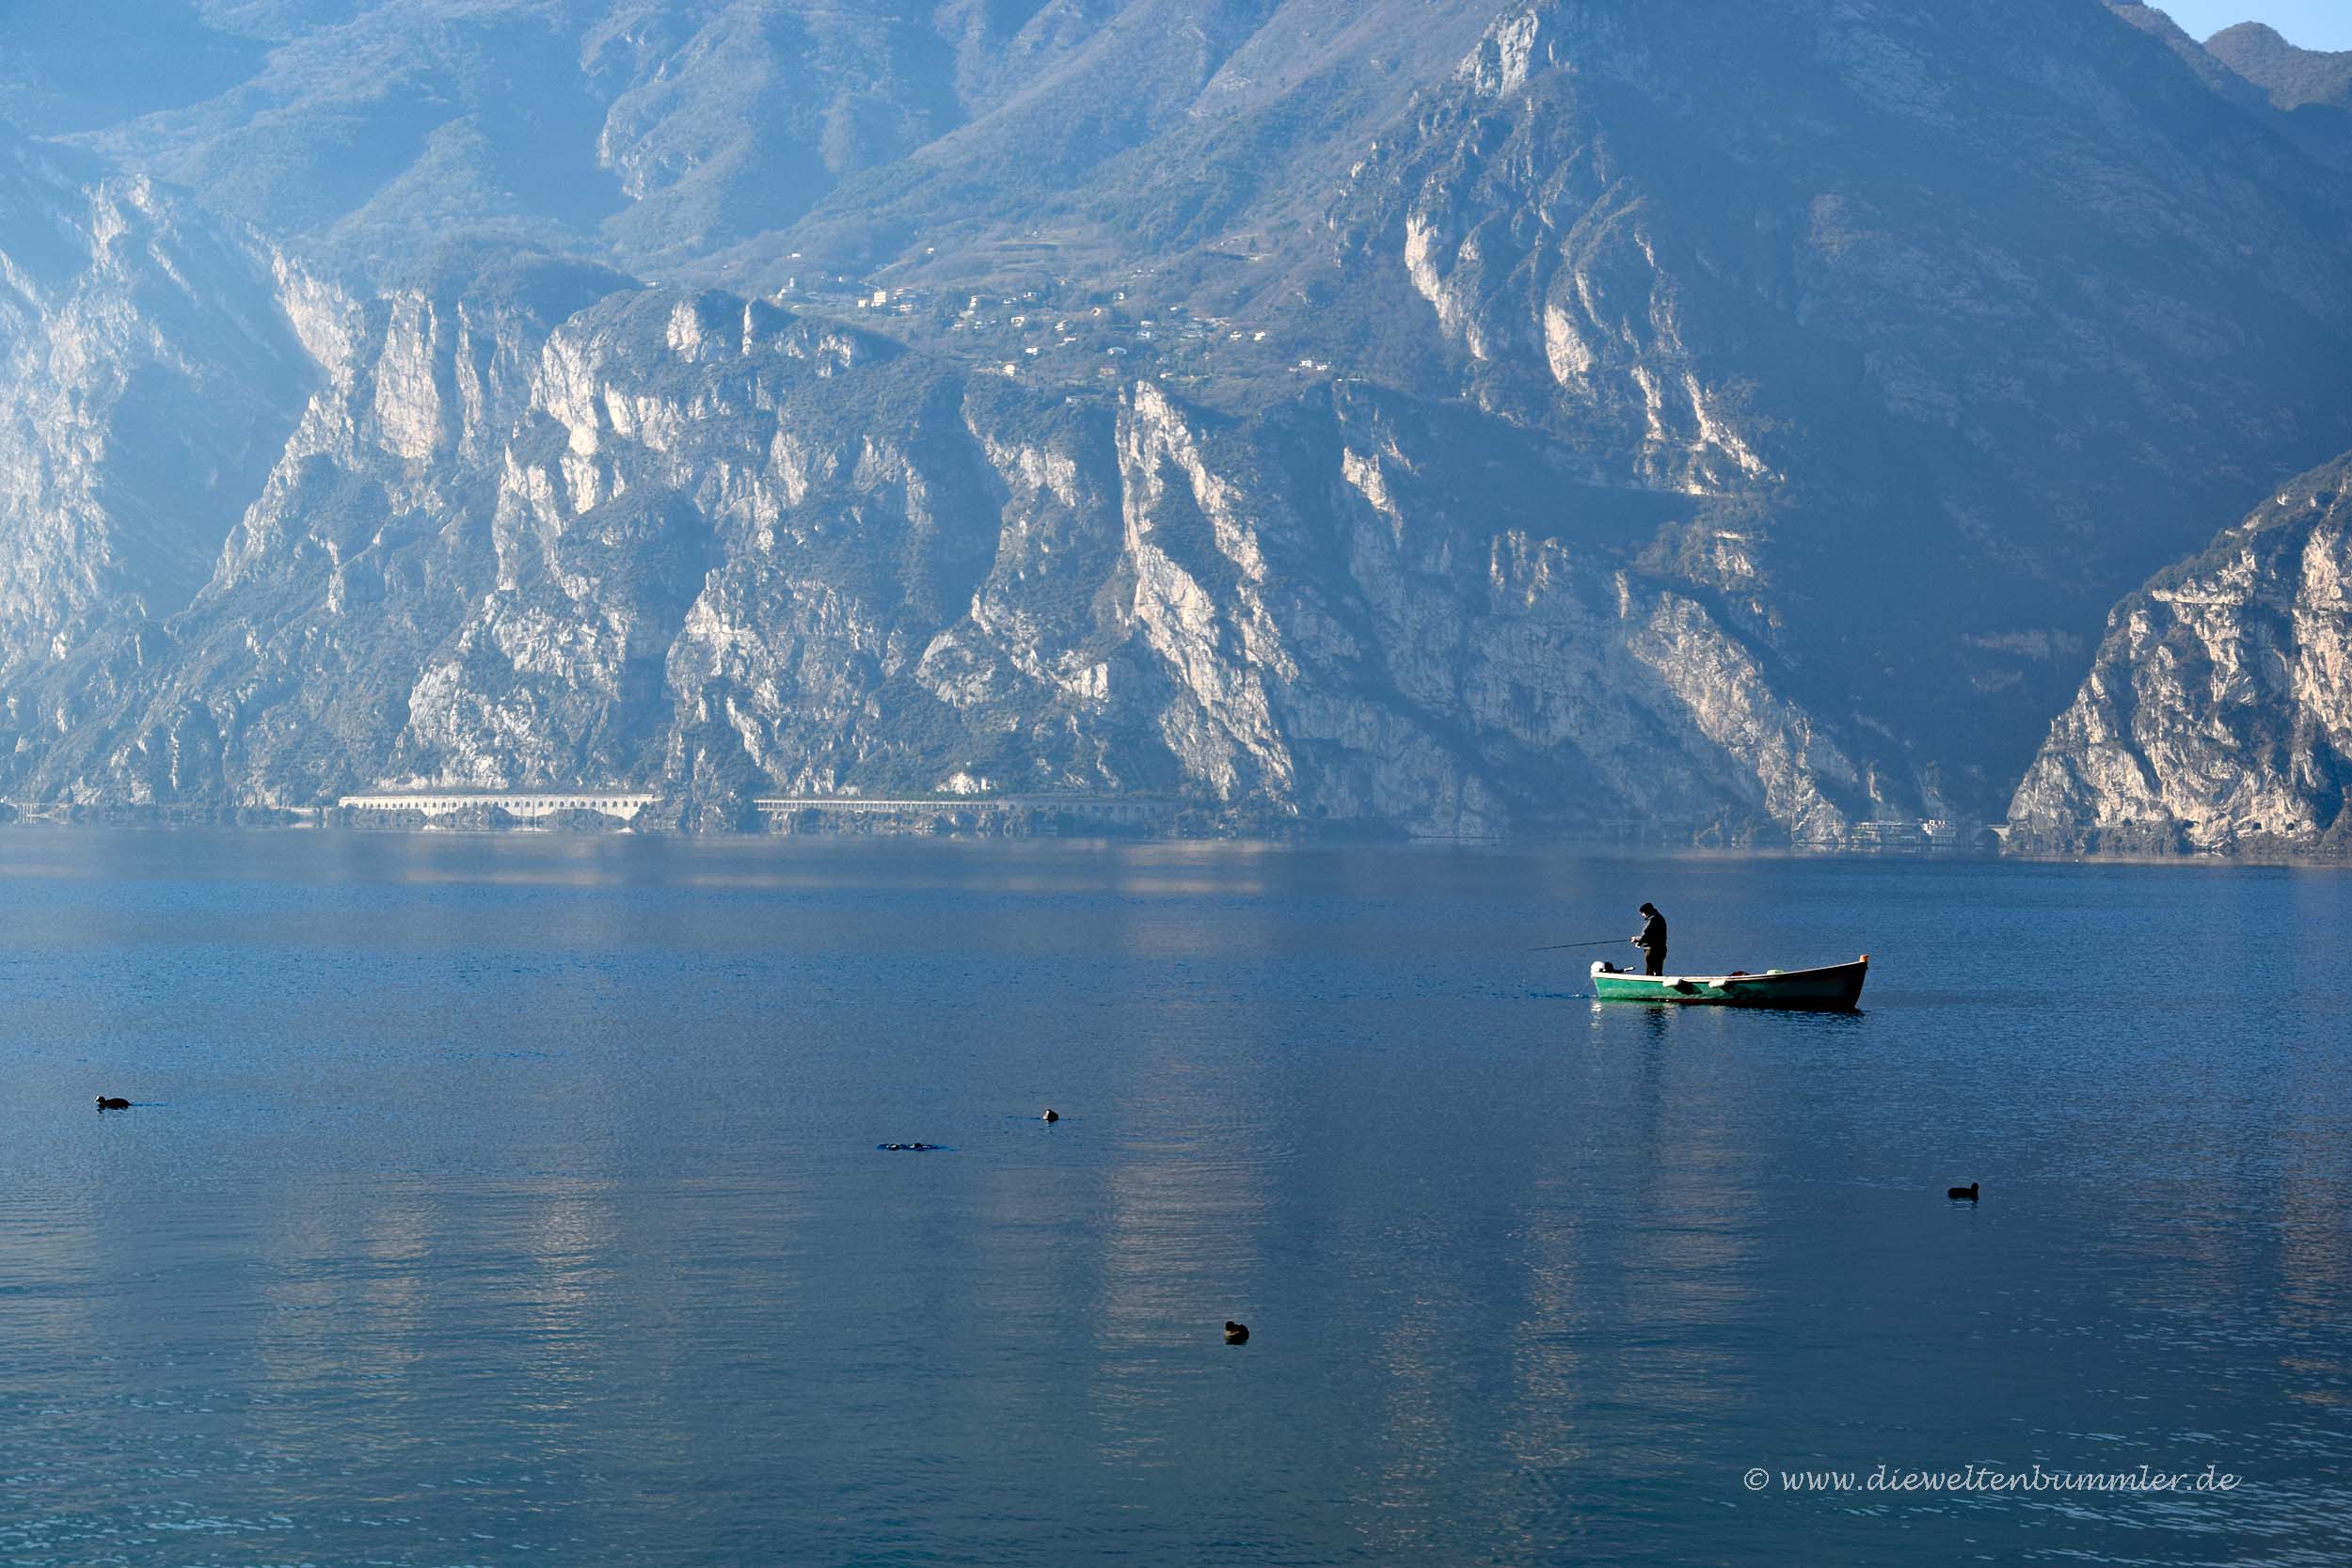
(508, 1199)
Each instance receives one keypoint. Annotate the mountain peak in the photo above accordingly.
(2292, 76)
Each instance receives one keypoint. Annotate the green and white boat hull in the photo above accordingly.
(1836, 989)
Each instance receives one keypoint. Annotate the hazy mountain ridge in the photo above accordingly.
(1721, 422)
(684, 135)
(2295, 91)
(2295, 79)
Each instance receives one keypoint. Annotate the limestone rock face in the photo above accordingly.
(2219, 711)
(722, 550)
(1817, 294)
(146, 380)
(286, 675)
(1460, 416)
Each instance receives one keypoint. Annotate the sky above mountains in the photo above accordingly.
(2310, 23)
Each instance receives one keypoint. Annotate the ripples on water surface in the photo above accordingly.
(509, 1198)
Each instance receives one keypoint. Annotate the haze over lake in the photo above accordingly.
(829, 782)
(510, 1198)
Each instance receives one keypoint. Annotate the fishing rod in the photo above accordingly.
(1560, 946)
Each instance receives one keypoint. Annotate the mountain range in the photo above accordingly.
(1739, 424)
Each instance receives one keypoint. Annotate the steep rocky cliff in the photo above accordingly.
(2218, 712)
(1958, 313)
(724, 548)
(1547, 415)
(146, 380)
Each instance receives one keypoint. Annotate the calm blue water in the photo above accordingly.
(496, 1201)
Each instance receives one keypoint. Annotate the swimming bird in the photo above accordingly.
(1236, 1333)
(1965, 1194)
(1051, 1114)
(108, 1103)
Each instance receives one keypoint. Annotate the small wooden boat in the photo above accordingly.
(1836, 989)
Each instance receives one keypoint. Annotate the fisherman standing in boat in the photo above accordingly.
(1652, 941)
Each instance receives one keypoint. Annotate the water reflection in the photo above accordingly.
(518, 1196)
